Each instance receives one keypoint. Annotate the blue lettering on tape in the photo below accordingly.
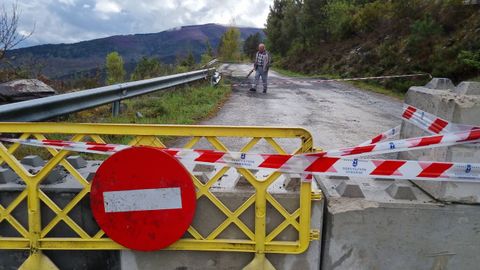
(355, 163)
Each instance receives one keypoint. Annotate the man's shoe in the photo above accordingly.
(253, 89)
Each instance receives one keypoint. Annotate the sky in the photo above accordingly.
(68, 21)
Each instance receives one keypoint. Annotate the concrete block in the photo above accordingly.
(462, 109)
(350, 190)
(335, 177)
(201, 176)
(440, 84)
(242, 182)
(55, 176)
(468, 88)
(90, 175)
(77, 162)
(292, 182)
(382, 232)
(7, 176)
(209, 217)
(383, 179)
(32, 160)
(61, 194)
(401, 192)
(203, 168)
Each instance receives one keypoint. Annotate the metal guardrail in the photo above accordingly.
(49, 107)
(257, 238)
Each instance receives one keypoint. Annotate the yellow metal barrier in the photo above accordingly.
(35, 236)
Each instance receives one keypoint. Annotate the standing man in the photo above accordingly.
(261, 66)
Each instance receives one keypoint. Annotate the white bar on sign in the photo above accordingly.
(142, 200)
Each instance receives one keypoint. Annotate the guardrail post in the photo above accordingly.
(116, 108)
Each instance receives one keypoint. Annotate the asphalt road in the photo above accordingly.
(337, 114)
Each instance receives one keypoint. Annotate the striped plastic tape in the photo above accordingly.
(318, 163)
(432, 123)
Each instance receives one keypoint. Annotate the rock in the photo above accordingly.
(20, 90)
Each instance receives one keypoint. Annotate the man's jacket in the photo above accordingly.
(262, 60)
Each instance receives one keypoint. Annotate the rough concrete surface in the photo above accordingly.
(460, 105)
(396, 230)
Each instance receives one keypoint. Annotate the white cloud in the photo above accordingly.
(107, 6)
(67, 2)
(64, 21)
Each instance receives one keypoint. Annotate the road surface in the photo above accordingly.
(337, 114)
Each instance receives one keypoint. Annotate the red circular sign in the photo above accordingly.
(143, 198)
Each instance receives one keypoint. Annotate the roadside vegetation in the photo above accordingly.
(375, 37)
(186, 105)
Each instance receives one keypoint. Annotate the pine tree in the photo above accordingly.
(148, 68)
(229, 48)
(251, 44)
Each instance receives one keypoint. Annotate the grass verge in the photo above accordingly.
(187, 105)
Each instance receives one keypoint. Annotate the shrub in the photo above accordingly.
(471, 59)
(423, 35)
(373, 16)
(339, 18)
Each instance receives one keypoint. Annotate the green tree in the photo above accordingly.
(423, 37)
(184, 62)
(207, 56)
(312, 22)
(470, 58)
(115, 68)
(251, 44)
(148, 68)
(189, 60)
(229, 48)
(208, 49)
(338, 21)
(276, 40)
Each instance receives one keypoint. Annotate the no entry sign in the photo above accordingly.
(143, 198)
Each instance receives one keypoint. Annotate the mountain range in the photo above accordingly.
(60, 61)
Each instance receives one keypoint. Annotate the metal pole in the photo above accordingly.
(116, 108)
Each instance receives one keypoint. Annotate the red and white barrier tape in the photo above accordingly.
(432, 123)
(407, 144)
(332, 162)
(389, 134)
(327, 163)
(364, 150)
(424, 120)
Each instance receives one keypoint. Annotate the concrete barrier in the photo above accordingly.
(395, 225)
(460, 105)
(232, 190)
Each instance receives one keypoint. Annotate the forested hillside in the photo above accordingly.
(376, 37)
(67, 61)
